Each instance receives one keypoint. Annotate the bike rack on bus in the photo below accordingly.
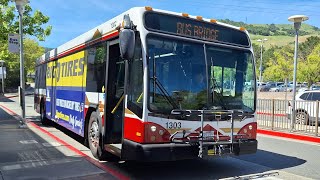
(200, 140)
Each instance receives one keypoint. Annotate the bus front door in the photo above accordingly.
(114, 95)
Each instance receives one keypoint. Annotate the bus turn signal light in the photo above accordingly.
(138, 134)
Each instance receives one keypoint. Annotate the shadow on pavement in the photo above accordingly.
(5, 99)
(215, 168)
(272, 160)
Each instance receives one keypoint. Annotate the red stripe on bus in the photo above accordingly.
(270, 114)
(104, 167)
(133, 130)
(82, 46)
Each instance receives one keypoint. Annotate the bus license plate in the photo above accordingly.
(211, 152)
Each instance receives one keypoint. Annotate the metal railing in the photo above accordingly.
(276, 115)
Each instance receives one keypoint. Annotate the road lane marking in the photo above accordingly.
(51, 144)
(33, 164)
(28, 142)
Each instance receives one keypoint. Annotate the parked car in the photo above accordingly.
(266, 87)
(281, 88)
(305, 107)
(261, 86)
(315, 87)
(303, 89)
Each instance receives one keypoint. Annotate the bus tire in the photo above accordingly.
(94, 140)
(43, 119)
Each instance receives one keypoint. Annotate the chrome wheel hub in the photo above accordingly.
(94, 134)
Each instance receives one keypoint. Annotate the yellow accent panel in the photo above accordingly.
(68, 71)
(228, 130)
(127, 111)
(171, 131)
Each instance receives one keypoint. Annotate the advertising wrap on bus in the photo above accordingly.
(66, 81)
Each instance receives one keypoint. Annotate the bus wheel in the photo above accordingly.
(43, 119)
(94, 138)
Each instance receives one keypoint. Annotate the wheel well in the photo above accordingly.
(41, 103)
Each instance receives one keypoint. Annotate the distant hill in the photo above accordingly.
(277, 34)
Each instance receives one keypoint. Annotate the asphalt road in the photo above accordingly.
(276, 158)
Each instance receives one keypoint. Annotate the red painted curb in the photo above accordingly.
(70, 147)
(289, 135)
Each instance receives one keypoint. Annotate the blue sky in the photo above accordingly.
(71, 18)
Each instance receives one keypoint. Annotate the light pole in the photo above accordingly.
(296, 19)
(261, 45)
(2, 65)
(20, 4)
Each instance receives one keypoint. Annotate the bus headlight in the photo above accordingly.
(153, 128)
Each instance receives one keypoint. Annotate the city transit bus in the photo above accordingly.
(153, 85)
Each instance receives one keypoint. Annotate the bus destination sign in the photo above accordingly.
(201, 32)
(194, 28)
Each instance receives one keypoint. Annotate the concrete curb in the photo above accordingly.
(289, 135)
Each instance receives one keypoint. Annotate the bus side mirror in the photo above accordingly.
(127, 39)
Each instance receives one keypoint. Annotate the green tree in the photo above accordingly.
(307, 47)
(34, 24)
(309, 70)
(33, 21)
(280, 67)
(32, 51)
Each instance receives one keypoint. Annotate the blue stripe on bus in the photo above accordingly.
(66, 108)
(73, 88)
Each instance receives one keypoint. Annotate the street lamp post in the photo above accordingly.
(261, 41)
(296, 19)
(20, 4)
(2, 78)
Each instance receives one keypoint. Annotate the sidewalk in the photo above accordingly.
(27, 153)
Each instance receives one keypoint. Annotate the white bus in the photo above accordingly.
(153, 85)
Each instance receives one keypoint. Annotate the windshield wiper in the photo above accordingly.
(164, 92)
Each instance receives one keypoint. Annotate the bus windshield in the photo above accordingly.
(191, 76)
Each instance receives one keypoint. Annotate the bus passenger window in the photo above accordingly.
(96, 68)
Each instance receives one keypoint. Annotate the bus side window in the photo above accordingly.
(96, 68)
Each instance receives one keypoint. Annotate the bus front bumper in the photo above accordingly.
(173, 151)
